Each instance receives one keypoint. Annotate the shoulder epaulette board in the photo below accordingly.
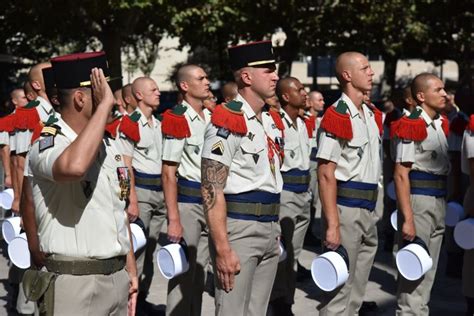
(174, 123)
(129, 126)
(231, 117)
(411, 127)
(337, 121)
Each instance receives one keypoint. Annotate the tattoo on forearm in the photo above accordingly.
(213, 179)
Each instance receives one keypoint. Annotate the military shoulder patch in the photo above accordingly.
(46, 143)
(223, 132)
(218, 148)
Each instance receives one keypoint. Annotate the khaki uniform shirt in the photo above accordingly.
(147, 152)
(250, 168)
(297, 144)
(4, 138)
(84, 218)
(23, 138)
(187, 151)
(429, 155)
(359, 158)
(467, 151)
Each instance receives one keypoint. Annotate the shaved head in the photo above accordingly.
(283, 86)
(346, 61)
(35, 76)
(421, 83)
(18, 98)
(184, 74)
(229, 91)
(146, 92)
(139, 84)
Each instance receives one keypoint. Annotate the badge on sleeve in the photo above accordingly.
(218, 148)
(46, 143)
(223, 132)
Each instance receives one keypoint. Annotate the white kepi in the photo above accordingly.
(173, 260)
(331, 269)
(138, 234)
(6, 199)
(464, 234)
(11, 228)
(454, 213)
(394, 219)
(414, 260)
(19, 253)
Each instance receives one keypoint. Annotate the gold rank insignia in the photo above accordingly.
(218, 148)
(49, 130)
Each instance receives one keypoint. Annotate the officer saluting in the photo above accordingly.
(241, 185)
(80, 211)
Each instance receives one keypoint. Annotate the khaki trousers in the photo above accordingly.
(94, 295)
(153, 215)
(256, 246)
(185, 291)
(315, 219)
(468, 267)
(294, 221)
(429, 213)
(359, 236)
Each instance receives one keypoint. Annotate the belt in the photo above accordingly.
(357, 194)
(424, 183)
(147, 181)
(189, 191)
(80, 266)
(253, 205)
(296, 180)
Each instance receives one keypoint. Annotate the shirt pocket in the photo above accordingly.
(253, 152)
(291, 150)
(194, 145)
(429, 145)
(357, 146)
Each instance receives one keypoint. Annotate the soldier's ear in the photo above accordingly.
(138, 96)
(246, 76)
(80, 98)
(346, 75)
(420, 96)
(183, 85)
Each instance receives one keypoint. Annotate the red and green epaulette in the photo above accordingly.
(411, 127)
(470, 126)
(310, 122)
(445, 124)
(276, 117)
(129, 126)
(112, 127)
(45, 129)
(378, 117)
(337, 121)
(27, 117)
(459, 124)
(174, 123)
(7, 124)
(231, 117)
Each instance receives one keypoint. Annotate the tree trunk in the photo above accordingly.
(288, 52)
(390, 70)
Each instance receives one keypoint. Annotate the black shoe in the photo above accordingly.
(302, 274)
(368, 309)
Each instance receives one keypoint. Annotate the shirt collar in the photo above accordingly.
(47, 107)
(426, 117)
(66, 130)
(143, 120)
(246, 108)
(350, 105)
(287, 118)
(191, 113)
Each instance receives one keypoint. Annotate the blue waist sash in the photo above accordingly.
(189, 191)
(357, 194)
(258, 206)
(424, 183)
(296, 180)
(147, 181)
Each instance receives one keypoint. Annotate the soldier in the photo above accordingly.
(183, 130)
(295, 196)
(77, 179)
(315, 108)
(128, 98)
(467, 165)
(348, 174)
(241, 185)
(141, 142)
(210, 103)
(421, 167)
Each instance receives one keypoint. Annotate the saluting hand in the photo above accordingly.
(227, 265)
(102, 94)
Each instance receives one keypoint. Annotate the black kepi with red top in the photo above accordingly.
(74, 70)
